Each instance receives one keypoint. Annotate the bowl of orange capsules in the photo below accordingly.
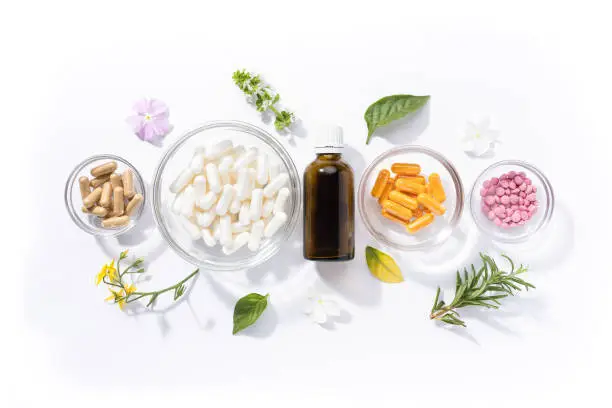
(410, 197)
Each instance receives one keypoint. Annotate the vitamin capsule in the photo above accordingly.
(256, 235)
(205, 219)
(115, 180)
(181, 181)
(219, 149)
(431, 204)
(107, 192)
(85, 210)
(207, 201)
(407, 186)
(245, 159)
(99, 211)
(256, 204)
(404, 199)
(415, 179)
(134, 204)
(268, 207)
(252, 180)
(381, 183)
(127, 178)
(397, 210)
(118, 204)
(116, 221)
(421, 222)
(191, 229)
(276, 184)
(435, 188)
(241, 240)
(275, 223)
(199, 186)
(281, 199)
(225, 200)
(224, 169)
(235, 206)
(197, 163)
(104, 169)
(237, 227)
(216, 229)
(208, 237)
(262, 169)
(244, 216)
(388, 188)
(242, 184)
(237, 151)
(225, 228)
(213, 178)
(273, 170)
(408, 169)
(93, 197)
(418, 212)
(188, 201)
(99, 181)
(84, 186)
(392, 217)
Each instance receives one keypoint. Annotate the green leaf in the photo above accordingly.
(436, 300)
(450, 319)
(390, 108)
(383, 266)
(248, 309)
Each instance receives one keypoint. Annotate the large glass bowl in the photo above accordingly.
(393, 234)
(178, 157)
(540, 219)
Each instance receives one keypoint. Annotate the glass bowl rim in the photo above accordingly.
(70, 205)
(452, 222)
(252, 130)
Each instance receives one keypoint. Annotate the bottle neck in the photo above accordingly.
(331, 156)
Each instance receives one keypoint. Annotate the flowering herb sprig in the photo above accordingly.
(123, 293)
(264, 97)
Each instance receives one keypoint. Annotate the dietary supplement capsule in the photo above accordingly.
(116, 221)
(99, 181)
(115, 180)
(388, 188)
(219, 149)
(404, 199)
(207, 201)
(128, 183)
(118, 204)
(92, 198)
(281, 199)
(397, 210)
(181, 181)
(276, 184)
(256, 204)
(392, 217)
(225, 200)
(415, 179)
(409, 169)
(205, 219)
(134, 204)
(107, 192)
(262, 169)
(256, 234)
(240, 241)
(197, 163)
(208, 237)
(407, 186)
(104, 169)
(431, 204)
(84, 186)
(245, 159)
(225, 228)
(275, 223)
(421, 222)
(435, 187)
(225, 166)
(99, 211)
(381, 183)
(244, 216)
(213, 178)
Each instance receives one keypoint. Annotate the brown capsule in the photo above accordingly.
(128, 183)
(92, 198)
(116, 221)
(99, 211)
(85, 210)
(98, 181)
(84, 186)
(104, 169)
(105, 198)
(118, 204)
(115, 180)
(134, 204)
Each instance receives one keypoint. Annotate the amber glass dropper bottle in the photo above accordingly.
(329, 203)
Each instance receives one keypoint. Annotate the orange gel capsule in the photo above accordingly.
(408, 169)
(404, 200)
(381, 183)
(397, 210)
(420, 223)
(418, 212)
(407, 186)
(388, 188)
(392, 217)
(431, 204)
(416, 179)
(435, 188)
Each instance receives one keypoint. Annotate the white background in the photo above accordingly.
(70, 73)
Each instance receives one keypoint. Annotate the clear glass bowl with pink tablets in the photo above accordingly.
(511, 200)
(226, 196)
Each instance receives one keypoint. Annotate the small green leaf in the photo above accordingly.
(436, 300)
(390, 108)
(383, 266)
(248, 309)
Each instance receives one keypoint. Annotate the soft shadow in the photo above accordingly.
(407, 129)
(462, 332)
(298, 129)
(333, 321)
(281, 264)
(208, 325)
(488, 155)
(356, 160)
(264, 326)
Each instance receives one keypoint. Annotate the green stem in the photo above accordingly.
(273, 109)
(140, 295)
(440, 312)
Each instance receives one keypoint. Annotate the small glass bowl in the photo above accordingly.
(74, 203)
(394, 234)
(541, 218)
(179, 155)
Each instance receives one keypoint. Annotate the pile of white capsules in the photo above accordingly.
(232, 196)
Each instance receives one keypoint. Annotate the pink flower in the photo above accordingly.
(150, 122)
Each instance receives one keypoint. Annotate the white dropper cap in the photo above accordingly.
(330, 140)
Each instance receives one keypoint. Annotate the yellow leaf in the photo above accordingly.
(382, 266)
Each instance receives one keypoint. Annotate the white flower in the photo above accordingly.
(479, 137)
(320, 308)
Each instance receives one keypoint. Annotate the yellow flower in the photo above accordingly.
(117, 297)
(130, 289)
(107, 270)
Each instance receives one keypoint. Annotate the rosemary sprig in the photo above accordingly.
(485, 287)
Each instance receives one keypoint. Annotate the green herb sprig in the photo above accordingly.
(264, 97)
(485, 288)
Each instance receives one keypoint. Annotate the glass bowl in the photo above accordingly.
(178, 157)
(393, 234)
(540, 219)
(74, 203)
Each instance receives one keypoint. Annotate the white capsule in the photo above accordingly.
(181, 181)
(188, 201)
(256, 204)
(268, 207)
(216, 229)
(242, 183)
(197, 164)
(219, 149)
(207, 201)
(224, 169)
(225, 228)
(244, 217)
(192, 229)
(275, 223)
(177, 203)
(205, 218)
(225, 200)
(276, 184)
(281, 199)
(238, 151)
(262, 169)
(273, 170)
(245, 159)
(236, 204)
(256, 234)
(212, 175)
(237, 228)
(199, 186)
(240, 241)
(208, 237)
